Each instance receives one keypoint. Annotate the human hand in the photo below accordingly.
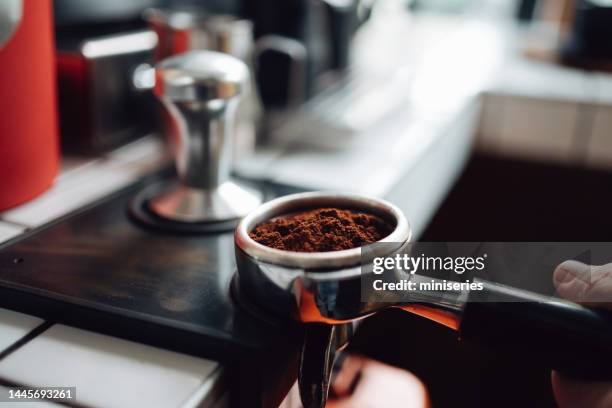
(590, 286)
(366, 383)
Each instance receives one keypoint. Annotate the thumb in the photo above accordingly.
(586, 284)
(572, 279)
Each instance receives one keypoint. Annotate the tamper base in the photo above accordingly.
(230, 201)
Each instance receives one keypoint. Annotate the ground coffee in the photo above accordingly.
(321, 230)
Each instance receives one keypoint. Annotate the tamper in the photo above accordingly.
(200, 91)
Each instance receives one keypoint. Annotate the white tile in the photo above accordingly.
(599, 152)
(63, 198)
(211, 393)
(8, 231)
(77, 174)
(73, 164)
(107, 372)
(544, 80)
(4, 392)
(145, 150)
(539, 129)
(140, 157)
(14, 326)
(603, 84)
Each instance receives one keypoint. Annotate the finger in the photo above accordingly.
(585, 284)
(390, 387)
(571, 280)
(381, 385)
(571, 393)
(345, 380)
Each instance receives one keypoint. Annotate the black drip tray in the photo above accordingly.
(100, 270)
(141, 213)
(244, 301)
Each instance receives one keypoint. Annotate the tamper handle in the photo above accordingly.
(203, 149)
(201, 90)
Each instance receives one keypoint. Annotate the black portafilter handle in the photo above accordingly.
(565, 336)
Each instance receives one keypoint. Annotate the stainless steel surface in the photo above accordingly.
(196, 205)
(201, 91)
(322, 287)
(100, 106)
(10, 17)
(209, 80)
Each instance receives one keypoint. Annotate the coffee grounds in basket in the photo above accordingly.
(321, 230)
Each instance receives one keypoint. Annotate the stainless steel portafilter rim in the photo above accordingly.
(317, 260)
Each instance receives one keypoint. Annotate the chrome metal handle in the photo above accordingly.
(201, 90)
(203, 151)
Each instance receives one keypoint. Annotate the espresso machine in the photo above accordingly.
(102, 47)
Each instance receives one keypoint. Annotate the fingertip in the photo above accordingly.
(569, 270)
(347, 376)
(571, 279)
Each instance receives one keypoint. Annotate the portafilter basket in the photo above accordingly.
(319, 287)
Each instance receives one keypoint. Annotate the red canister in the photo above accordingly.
(29, 148)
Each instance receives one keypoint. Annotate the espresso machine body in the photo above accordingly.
(100, 105)
(325, 28)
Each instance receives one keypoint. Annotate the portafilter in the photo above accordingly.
(326, 288)
(293, 284)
